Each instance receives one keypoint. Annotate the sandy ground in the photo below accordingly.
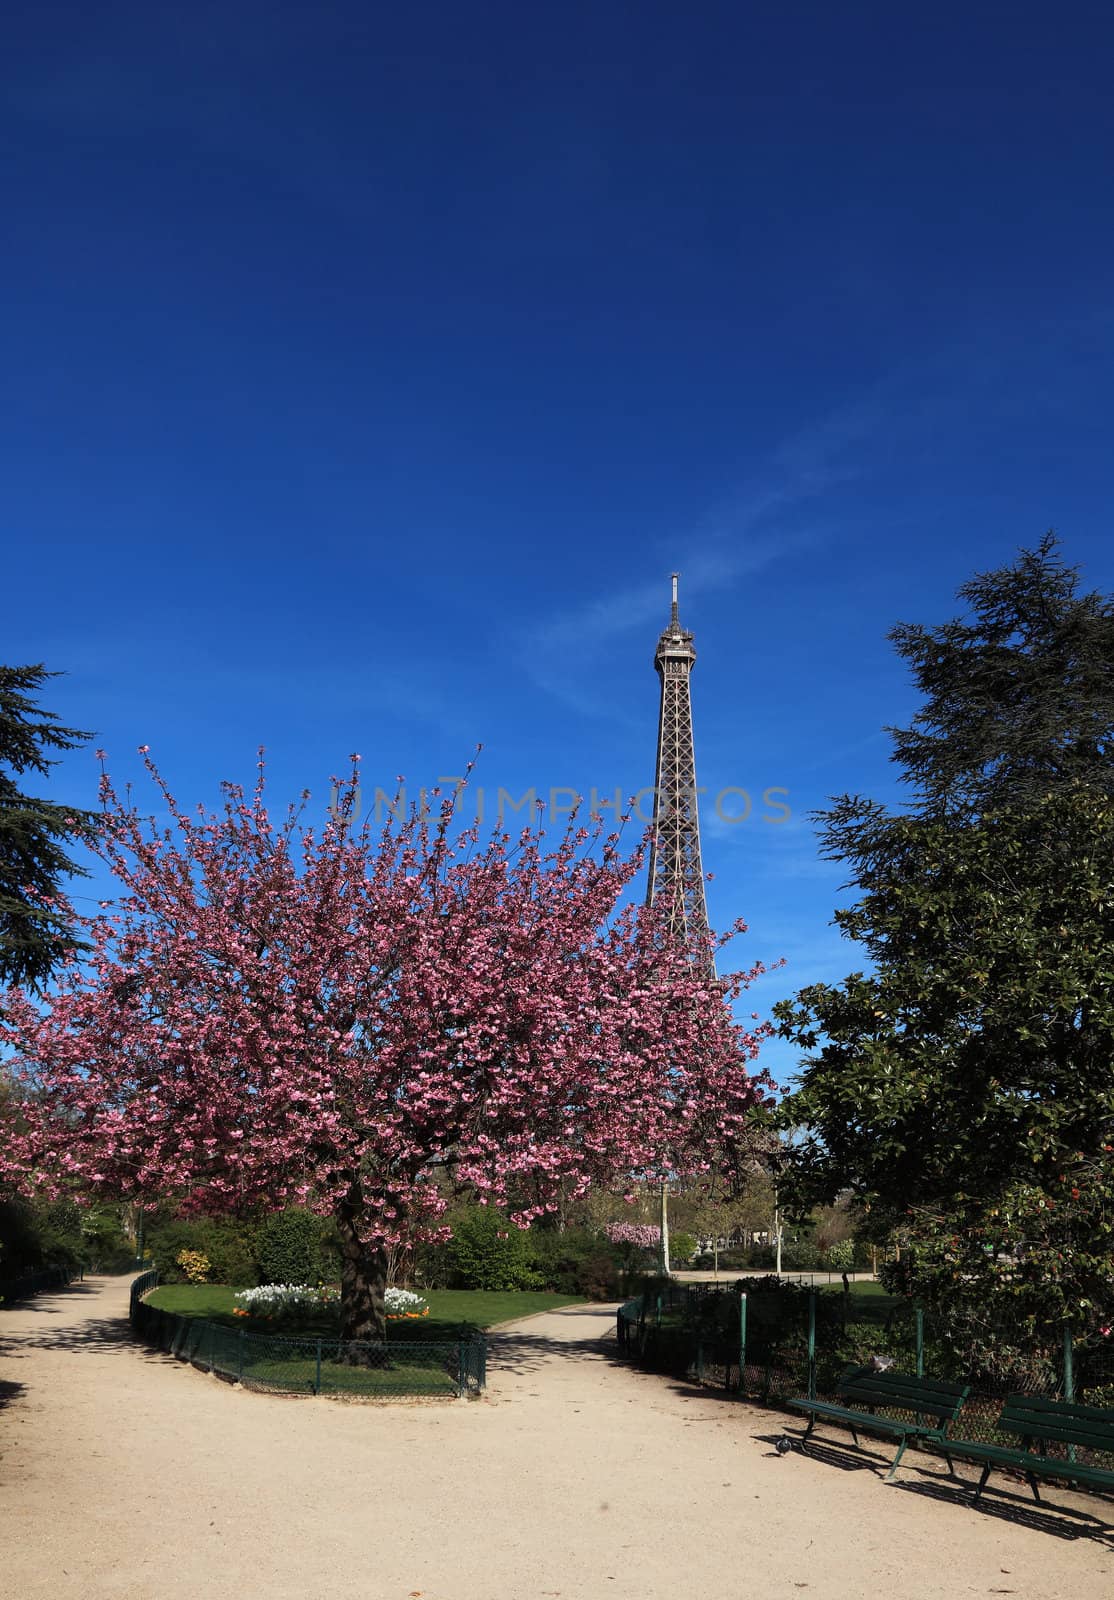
(127, 1476)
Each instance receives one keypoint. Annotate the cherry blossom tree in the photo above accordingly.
(274, 1012)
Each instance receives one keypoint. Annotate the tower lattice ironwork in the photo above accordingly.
(676, 879)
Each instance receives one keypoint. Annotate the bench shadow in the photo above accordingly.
(847, 1457)
(1062, 1522)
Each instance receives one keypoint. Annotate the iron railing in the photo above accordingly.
(32, 1283)
(293, 1364)
(762, 1343)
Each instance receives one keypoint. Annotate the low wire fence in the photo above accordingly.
(284, 1364)
(32, 1283)
(768, 1341)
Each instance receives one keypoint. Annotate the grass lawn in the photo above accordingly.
(449, 1311)
(869, 1301)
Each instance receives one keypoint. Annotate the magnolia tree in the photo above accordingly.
(357, 1022)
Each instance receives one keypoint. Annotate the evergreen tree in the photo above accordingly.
(35, 924)
(1019, 694)
(963, 1089)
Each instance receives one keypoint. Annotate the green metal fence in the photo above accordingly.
(294, 1365)
(33, 1283)
(766, 1342)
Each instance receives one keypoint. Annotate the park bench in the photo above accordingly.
(864, 1391)
(1044, 1422)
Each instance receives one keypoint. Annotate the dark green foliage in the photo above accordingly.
(840, 1256)
(800, 1255)
(963, 1088)
(229, 1244)
(1019, 694)
(577, 1261)
(106, 1244)
(488, 1252)
(165, 1242)
(33, 833)
(682, 1248)
(289, 1247)
(35, 1234)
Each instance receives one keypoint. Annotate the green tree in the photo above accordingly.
(35, 921)
(963, 1089)
(488, 1252)
(1019, 693)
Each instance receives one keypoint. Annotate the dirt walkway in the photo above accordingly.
(126, 1476)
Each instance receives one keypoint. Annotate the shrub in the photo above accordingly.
(841, 1255)
(799, 1255)
(682, 1247)
(227, 1242)
(288, 1249)
(37, 1233)
(194, 1265)
(577, 1261)
(231, 1245)
(167, 1240)
(596, 1277)
(489, 1252)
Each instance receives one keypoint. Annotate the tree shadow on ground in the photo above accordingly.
(518, 1353)
(10, 1391)
(47, 1301)
(95, 1333)
(1062, 1522)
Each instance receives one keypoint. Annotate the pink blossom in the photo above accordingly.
(344, 1017)
(643, 1234)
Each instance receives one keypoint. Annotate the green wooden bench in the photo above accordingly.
(1043, 1422)
(864, 1392)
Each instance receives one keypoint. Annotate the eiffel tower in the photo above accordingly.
(676, 876)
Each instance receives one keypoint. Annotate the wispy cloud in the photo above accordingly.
(754, 530)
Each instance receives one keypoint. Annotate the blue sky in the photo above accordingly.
(367, 371)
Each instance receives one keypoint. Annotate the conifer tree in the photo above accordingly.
(35, 920)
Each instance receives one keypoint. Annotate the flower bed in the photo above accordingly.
(404, 1305)
(279, 1302)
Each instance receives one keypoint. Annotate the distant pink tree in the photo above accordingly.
(277, 1013)
(642, 1235)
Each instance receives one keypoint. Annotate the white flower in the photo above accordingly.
(399, 1301)
(276, 1299)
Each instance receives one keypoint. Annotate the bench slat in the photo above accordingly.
(1052, 1421)
(1045, 1403)
(1023, 1461)
(1087, 1438)
(1058, 1421)
(867, 1421)
(903, 1391)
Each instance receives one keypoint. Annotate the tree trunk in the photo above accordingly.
(363, 1281)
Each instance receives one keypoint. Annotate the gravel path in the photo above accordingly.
(127, 1476)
